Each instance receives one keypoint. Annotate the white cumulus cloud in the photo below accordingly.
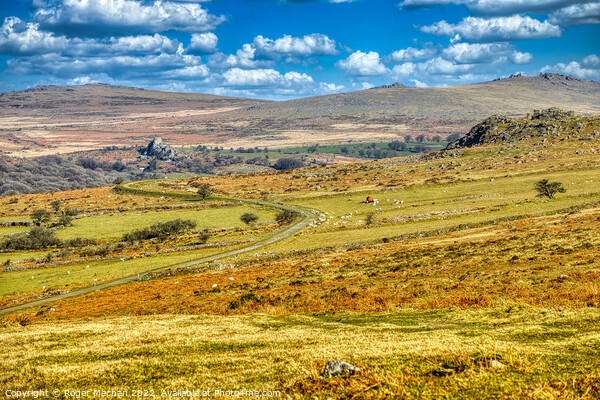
(192, 72)
(121, 66)
(591, 61)
(475, 29)
(467, 53)
(308, 45)
(26, 39)
(20, 38)
(263, 77)
(362, 64)
(413, 54)
(440, 71)
(204, 43)
(112, 17)
(327, 88)
(588, 69)
(496, 7)
(264, 52)
(243, 58)
(577, 14)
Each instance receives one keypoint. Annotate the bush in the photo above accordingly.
(286, 216)
(202, 238)
(397, 145)
(65, 220)
(288, 163)
(204, 190)
(41, 216)
(89, 163)
(79, 242)
(71, 211)
(160, 230)
(56, 204)
(36, 238)
(249, 218)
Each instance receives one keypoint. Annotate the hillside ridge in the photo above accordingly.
(552, 124)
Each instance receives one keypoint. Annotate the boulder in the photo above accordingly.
(337, 367)
(158, 149)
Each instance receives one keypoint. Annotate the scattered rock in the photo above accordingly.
(499, 128)
(494, 364)
(336, 367)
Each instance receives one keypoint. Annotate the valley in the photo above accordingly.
(439, 275)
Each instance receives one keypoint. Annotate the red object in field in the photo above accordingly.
(370, 199)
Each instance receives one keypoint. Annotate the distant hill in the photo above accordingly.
(97, 115)
(99, 97)
(61, 119)
(422, 107)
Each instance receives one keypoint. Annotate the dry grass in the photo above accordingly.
(512, 264)
(408, 354)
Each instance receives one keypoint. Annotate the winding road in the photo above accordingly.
(308, 217)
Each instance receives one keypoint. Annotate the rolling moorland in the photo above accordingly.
(457, 281)
(63, 119)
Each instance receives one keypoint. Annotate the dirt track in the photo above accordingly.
(308, 217)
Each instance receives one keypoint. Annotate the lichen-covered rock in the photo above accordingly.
(158, 149)
(337, 367)
(540, 124)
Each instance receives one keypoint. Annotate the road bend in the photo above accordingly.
(307, 218)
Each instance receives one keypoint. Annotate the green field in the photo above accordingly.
(435, 207)
(114, 225)
(88, 273)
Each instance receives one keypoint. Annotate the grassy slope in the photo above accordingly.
(420, 355)
(423, 317)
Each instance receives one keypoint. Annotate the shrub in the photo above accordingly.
(71, 211)
(288, 163)
(397, 145)
(80, 242)
(160, 230)
(118, 166)
(89, 163)
(249, 218)
(41, 216)
(286, 216)
(56, 204)
(204, 190)
(36, 238)
(65, 220)
(202, 238)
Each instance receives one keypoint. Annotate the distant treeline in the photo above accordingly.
(54, 173)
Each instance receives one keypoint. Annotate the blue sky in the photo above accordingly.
(282, 49)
